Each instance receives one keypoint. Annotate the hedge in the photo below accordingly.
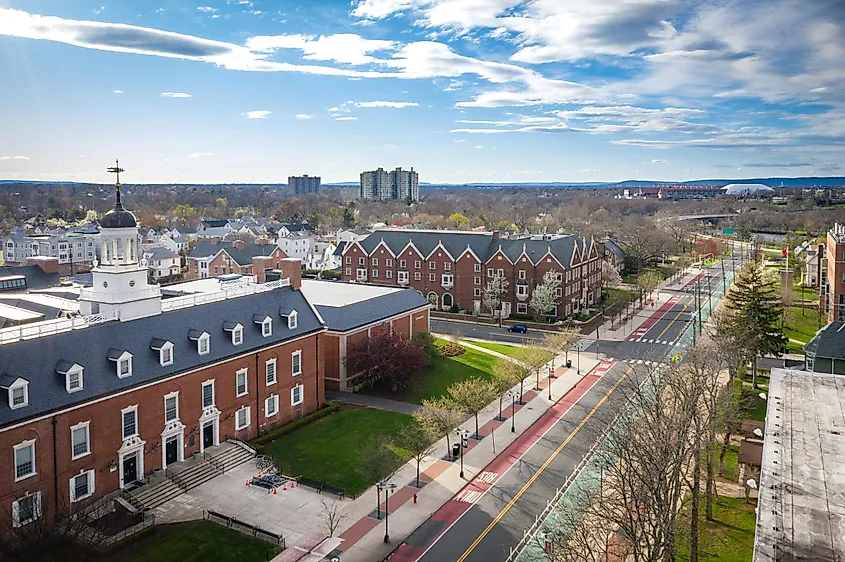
(258, 442)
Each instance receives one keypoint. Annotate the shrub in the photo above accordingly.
(258, 442)
(449, 349)
(425, 341)
(455, 309)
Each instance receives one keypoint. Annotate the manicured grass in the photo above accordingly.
(801, 327)
(339, 449)
(730, 538)
(195, 541)
(730, 469)
(504, 349)
(444, 371)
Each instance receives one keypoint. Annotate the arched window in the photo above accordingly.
(432, 298)
(447, 300)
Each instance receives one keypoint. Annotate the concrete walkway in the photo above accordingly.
(371, 401)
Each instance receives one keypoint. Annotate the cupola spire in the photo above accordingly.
(116, 169)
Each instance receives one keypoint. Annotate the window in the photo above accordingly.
(242, 420)
(476, 268)
(521, 308)
(558, 292)
(347, 260)
(432, 277)
(417, 276)
(388, 262)
(476, 280)
(171, 407)
(447, 266)
(293, 320)
(24, 460)
(522, 274)
(124, 367)
(361, 274)
(476, 292)
(447, 279)
(375, 274)
(809, 362)
(362, 262)
(500, 272)
(203, 346)
(270, 371)
(522, 290)
(402, 264)
(296, 395)
(207, 394)
(74, 380)
(347, 271)
(267, 327)
(19, 394)
(375, 262)
(26, 509)
(238, 335)
(80, 441)
(490, 272)
(271, 406)
(241, 382)
(558, 276)
(432, 265)
(130, 422)
(82, 486)
(417, 264)
(296, 363)
(166, 354)
(402, 276)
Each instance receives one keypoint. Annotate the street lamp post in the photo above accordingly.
(513, 410)
(463, 435)
(387, 487)
(578, 349)
(550, 386)
(552, 369)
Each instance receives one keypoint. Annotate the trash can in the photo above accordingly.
(569, 363)
(456, 449)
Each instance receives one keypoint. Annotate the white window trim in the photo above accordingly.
(301, 395)
(239, 330)
(293, 320)
(267, 413)
(206, 338)
(122, 426)
(275, 372)
(90, 475)
(18, 447)
(245, 373)
(209, 382)
(86, 425)
(239, 427)
(23, 384)
(169, 347)
(522, 290)
(298, 354)
(171, 395)
(125, 357)
(265, 324)
(75, 371)
(36, 512)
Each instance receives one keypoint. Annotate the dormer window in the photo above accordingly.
(165, 351)
(236, 331)
(266, 324)
(203, 340)
(18, 389)
(290, 316)
(73, 375)
(123, 362)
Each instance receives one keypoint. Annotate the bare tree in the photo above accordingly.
(439, 419)
(418, 440)
(331, 516)
(506, 373)
(533, 358)
(471, 396)
(561, 342)
(492, 295)
(544, 296)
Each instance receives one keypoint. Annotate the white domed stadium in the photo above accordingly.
(757, 189)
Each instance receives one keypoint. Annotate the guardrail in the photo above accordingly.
(177, 303)
(50, 327)
(244, 527)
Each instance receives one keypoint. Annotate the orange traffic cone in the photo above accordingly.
(274, 491)
(259, 475)
(292, 484)
(247, 483)
(285, 488)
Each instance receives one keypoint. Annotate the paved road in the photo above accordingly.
(486, 529)
(481, 331)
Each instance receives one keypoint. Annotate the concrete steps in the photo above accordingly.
(153, 495)
(234, 456)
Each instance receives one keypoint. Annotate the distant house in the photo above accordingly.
(826, 348)
(223, 258)
(614, 255)
(162, 262)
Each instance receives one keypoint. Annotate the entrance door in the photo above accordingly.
(130, 468)
(208, 435)
(506, 309)
(171, 450)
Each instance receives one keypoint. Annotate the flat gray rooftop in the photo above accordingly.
(801, 506)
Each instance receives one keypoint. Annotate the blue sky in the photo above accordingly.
(462, 90)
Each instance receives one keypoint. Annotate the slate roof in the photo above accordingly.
(159, 253)
(481, 243)
(35, 276)
(214, 232)
(351, 316)
(339, 250)
(49, 312)
(215, 223)
(242, 256)
(614, 249)
(36, 359)
(829, 342)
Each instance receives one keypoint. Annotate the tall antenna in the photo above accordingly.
(116, 169)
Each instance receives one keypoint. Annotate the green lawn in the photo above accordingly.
(444, 371)
(195, 541)
(342, 449)
(504, 349)
(801, 327)
(730, 538)
(730, 470)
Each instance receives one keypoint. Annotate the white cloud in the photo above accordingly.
(393, 104)
(304, 116)
(658, 161)
(458, 140)
(117, 91)
(346, 119)
(200, 154)
(207, 9)
(14, 157)
(347, 48)
(258, 114)
(175, 95)
(99, 10)
(479, 146)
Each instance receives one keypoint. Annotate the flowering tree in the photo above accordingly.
(544, 296)
(385, 358)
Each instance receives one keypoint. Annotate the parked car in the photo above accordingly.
(518, 328)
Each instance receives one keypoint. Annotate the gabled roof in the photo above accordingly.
(339, 250)
(614, 249)
(159, 253)
(33, 359)
(242, 256)
(829, 342)
(426, 241)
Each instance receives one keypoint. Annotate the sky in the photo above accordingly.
(220, 91)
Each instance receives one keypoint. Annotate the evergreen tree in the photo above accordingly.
(348, 220)
(755, 302)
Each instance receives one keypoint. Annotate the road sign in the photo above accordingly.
(728, 231)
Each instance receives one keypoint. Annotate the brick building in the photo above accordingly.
(451, 269)
(833, 280)
(222, 258)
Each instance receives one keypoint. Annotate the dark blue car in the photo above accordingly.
(518, 328)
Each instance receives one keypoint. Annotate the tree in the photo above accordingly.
(331, 515)
(544, 296)
(680, 232)
(418, 440)
(348, 219)
(385, 358)
(642, 239)
(184, 212)
(609, 275)
(438, 418)
(471, 396)
(492, 295)
(708, 247)
(756, 305)
(459, 221)
(533, 358)
(561, 342)
(648, 282)
(506, 373)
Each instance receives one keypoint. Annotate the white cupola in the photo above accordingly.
(120, 283)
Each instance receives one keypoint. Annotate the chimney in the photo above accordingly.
(495, 235)
(47, 264)
(292, 269)
(239, 244)
(262, 242)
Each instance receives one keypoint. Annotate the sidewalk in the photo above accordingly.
(371, 401)
(363, 534)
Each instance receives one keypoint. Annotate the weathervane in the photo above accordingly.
(116, 169)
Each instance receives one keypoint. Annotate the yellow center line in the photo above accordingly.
(666, 329)
(543, 467)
